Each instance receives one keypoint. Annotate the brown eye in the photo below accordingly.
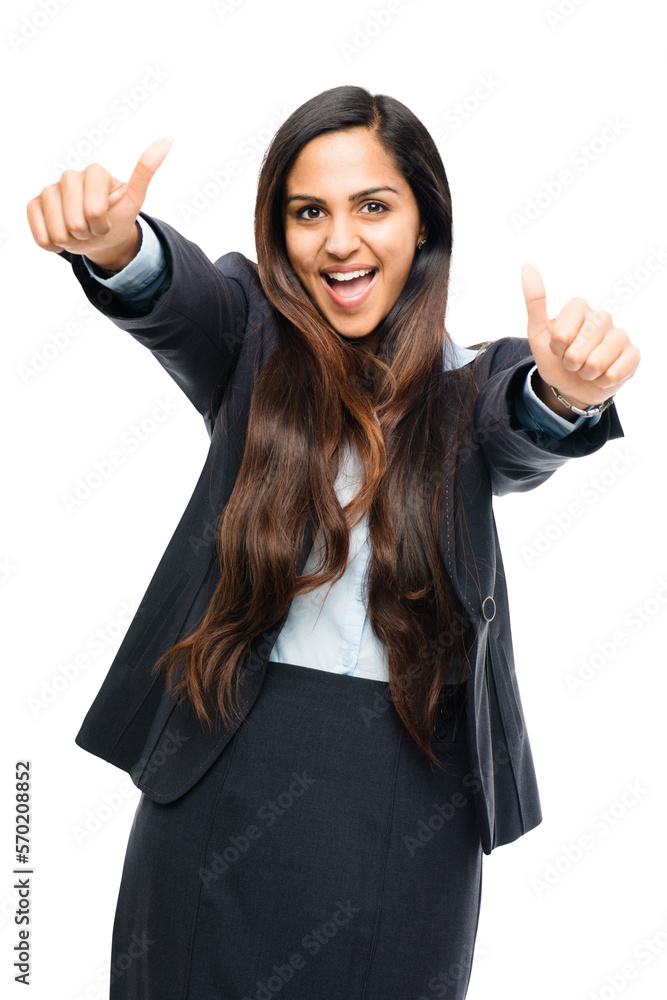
(378, 204)
(307, 208)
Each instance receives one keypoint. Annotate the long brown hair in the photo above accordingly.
(406, 414)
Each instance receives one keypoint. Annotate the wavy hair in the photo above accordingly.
(406, 415)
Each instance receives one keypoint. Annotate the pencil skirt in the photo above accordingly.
(320, 857)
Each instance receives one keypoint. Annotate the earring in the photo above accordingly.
(421, 243)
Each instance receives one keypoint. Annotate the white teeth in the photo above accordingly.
(348, 275)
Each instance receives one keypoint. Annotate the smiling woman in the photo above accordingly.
(317, 695)
(339, 233)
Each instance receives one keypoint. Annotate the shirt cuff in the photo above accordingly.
(142, 272)
(536, 415)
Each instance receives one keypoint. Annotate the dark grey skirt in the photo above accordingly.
(318, 858)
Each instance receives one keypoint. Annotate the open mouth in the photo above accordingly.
(350, 291)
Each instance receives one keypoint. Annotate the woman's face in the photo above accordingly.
(347, 208)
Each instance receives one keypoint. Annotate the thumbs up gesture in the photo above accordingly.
(580, 352)
(91, 212)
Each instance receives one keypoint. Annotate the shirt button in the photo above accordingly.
(346, 659)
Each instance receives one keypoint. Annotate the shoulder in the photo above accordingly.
(237, 265)
(489, 356)
(187, 257)
(238, 268)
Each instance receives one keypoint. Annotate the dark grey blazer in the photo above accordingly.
(212, 329)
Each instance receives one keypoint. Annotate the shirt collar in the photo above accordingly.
(456, 356)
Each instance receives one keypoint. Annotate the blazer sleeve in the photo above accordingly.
(194, 326)
(520, 458)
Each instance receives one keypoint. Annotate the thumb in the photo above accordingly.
(536, 298)
(145, 169)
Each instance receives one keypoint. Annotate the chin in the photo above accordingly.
(351, 334)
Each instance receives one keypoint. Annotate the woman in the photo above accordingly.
(317, 694)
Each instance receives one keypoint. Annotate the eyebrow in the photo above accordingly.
(353, 197)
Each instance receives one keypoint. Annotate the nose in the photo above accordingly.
(342, 238)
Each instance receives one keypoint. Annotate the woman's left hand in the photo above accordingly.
(580, 352)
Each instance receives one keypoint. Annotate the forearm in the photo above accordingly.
(191, 313)
(519, 454)
(138, 283)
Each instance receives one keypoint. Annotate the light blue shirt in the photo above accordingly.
(330, 631)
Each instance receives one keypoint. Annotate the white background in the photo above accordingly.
(222, 79)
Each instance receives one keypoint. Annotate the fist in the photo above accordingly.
(90, 212)
(580, 352)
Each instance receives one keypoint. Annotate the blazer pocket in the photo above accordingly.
(157, 619)
(505, 684)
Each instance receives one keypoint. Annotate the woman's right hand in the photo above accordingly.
(90, 212)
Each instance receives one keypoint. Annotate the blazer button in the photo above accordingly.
(488, 608)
